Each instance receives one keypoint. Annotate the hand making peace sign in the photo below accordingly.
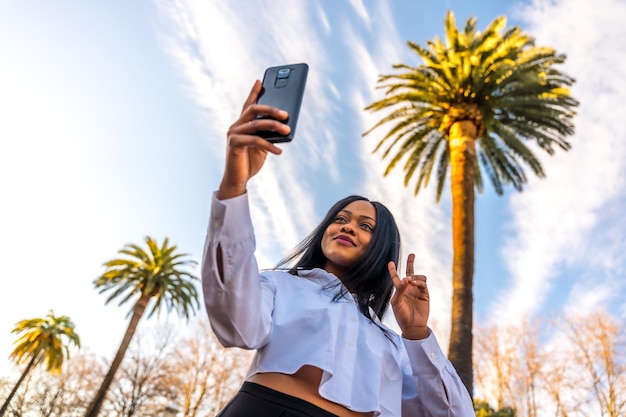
(411, 301)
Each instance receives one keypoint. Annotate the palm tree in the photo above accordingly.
(472, 107)
(143, 276)
(41, 340)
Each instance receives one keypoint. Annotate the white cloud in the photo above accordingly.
(421, 221)
(323, 19)
(557, 223)
(361, 11)
(285, 203)
(219, 45)
(216, 46)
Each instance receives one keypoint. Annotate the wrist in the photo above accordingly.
(416, 333)
(226, 191)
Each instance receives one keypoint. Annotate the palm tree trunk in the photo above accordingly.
(138, 310)
(5, 406)
(462, 161)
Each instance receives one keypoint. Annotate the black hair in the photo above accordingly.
(368, 278)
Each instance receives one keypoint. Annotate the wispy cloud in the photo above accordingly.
(554, 224)
(218, 46)
(361, 11)
(421, 222)
(331, 159)
(560, 222)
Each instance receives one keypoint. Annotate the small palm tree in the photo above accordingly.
(471, 108)
(142, 277)
(41, 340)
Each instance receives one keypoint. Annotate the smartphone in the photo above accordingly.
(283, 87)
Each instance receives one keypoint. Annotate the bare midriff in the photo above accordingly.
(304, 384)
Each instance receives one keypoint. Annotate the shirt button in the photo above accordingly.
(350, 344)
(217, 223)
(433, 355)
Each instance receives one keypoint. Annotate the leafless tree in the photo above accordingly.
(63, 395)
(141, 387)
(206, 374)
(570, 366)
(529, 367)
(493, 367)
(68, 394)
(560, 381)
(183, 368)
(21, 403)
(598, 347)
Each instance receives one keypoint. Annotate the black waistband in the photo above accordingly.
(284, 400)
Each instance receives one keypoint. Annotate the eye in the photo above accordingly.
(367, 226)
(341, 219)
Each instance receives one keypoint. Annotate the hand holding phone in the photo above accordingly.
(283, 87)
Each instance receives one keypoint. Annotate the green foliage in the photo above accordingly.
(41, 339)
(483, 409)
(44, 339)
(157, 274)
(499, 80)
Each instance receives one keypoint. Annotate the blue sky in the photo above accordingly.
(112, 127)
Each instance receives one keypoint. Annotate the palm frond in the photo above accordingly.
(512, 86)
(44, 339)
(158, 273)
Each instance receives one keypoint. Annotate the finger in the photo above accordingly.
(256, 118)
(421, 285)
(268, 146)
(417, 279)
(253, 95)
(263, 111)
(258, 125)
(393, 272)
(240, 141)
(409, 265)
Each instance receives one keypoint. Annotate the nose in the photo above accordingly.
(347, 228)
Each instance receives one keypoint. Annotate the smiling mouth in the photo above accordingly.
(345, 240)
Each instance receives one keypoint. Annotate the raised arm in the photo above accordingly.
(246, 152)
(238, 302)
(439, 391)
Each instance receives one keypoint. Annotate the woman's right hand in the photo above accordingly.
(245, 151)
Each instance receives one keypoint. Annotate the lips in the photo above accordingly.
(345, 240)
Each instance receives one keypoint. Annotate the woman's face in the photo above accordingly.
(348, 236)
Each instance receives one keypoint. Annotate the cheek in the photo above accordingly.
(366, 241)
(330, 231)
(325, 239)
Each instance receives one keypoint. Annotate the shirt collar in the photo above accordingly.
(325, 279)
(319, 275)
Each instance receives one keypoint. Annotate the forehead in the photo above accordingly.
(361, 208)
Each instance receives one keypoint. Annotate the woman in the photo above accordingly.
(322, 349)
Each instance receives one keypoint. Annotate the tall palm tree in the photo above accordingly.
(472, 107)
(142, 276)
(41, 340)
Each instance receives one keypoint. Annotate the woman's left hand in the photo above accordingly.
(410, 302)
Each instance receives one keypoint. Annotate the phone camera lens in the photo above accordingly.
(283, 73)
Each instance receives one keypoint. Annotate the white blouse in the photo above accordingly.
(293, 321)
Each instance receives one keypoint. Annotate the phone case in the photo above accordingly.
(283, 87)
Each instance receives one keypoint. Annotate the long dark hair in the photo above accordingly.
(369, 277)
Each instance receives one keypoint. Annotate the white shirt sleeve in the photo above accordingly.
(239, 303)
(440, 391)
